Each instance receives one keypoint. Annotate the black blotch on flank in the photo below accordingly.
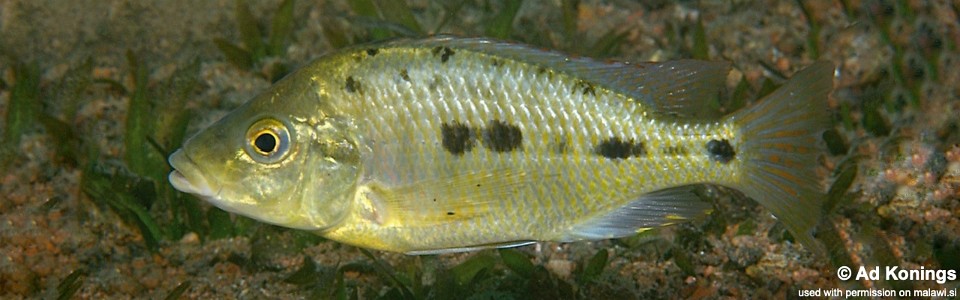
(352, 85)
(720, 151)
(444, 52)
(456, 138)
(497, 62)
(502, 137)
(372, 52)
(404, 75)
(615, 148)
(450, 213)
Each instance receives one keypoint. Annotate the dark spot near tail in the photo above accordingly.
(720, 151)
(585, 86)
(372, 52)
(450, 213)
(497, 62)
(352, 85)
(502, 137)
(615, 148)
(444, 52)
(541, 70)
(456, 138)
(404, 75)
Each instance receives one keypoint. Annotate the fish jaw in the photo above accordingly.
(188, 178)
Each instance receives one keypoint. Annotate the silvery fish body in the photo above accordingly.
(448, 144)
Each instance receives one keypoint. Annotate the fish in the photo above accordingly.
(450, 144)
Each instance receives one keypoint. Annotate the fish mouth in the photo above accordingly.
(187, 177)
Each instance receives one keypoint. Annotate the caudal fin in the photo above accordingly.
(781, 143)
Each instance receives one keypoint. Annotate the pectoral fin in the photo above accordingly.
(461, 197)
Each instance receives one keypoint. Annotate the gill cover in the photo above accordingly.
(274, 159)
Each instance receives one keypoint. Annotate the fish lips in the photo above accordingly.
(187, 177)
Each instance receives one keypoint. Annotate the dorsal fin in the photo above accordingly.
(675, 89)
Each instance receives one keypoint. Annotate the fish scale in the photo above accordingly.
(447, 144)
(425, 160)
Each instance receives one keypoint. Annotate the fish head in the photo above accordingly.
(271, 162)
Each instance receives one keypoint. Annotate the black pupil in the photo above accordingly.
(266, 142)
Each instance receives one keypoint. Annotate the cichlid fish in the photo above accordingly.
(450, 144)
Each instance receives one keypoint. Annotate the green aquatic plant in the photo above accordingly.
(501, 26)
(69, 286)
(125, 194)
(594, 267)
(256, 47)
(177, 292)
(517, 262)
(67, 92)
(813, 33)
(24, 107)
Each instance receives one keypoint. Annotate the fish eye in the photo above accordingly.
(268, 141)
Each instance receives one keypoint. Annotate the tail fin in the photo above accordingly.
(780, 137)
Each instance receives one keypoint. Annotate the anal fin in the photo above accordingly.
(660, 208)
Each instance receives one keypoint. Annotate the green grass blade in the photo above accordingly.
(64, 138)
(236, 56)
(281, 29)
(367, 8)
(306, 274)
(24, 106)
(700, 49)
(178, 291)
(137, 126)
(171, 117)
(386, 270)
(838, 190)
(69, 286)
(120, 192)
(569, 19)
(813, 37)
(595, 266)
(517, 262)
(250, 31)
(608, 44)
(399, 13)
(220, 224)
(502, 24)
(334, 34)
(466, 271)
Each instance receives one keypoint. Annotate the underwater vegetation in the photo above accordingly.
(87, 212)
